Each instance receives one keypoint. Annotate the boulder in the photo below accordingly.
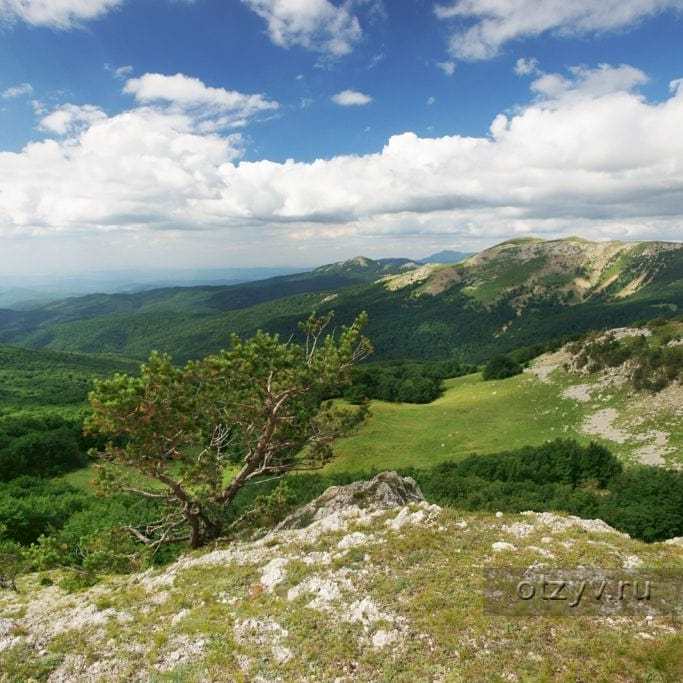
(386, 490)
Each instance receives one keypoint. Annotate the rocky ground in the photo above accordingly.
(369, 582)
(644, 426)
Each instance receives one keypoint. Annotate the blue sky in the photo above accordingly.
(439, 74)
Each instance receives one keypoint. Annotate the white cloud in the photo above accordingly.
(565, 163)
(447, 67)
(351, 98)
(493, 23)
(70, 118)
(586, 83)
(317, 25)
(120, 72)
(20, 90)
(59, 14)
(431, 101)
(140, 169)
(526, 66)
(216, 107)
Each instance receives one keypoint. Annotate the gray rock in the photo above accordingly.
(386, 490)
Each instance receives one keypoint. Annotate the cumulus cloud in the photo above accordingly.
(70, 118)
(585, 83)
(143, 168)
(526, 66)
(351, 98)
(447, 67)
(20, 90)
(215, 108)
(317, 25)
(564, 163)
(59, 14)
(493, 23)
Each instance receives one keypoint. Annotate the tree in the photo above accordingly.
(263, 405)
(501, 367)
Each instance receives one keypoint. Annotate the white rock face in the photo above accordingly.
(557, 523)
(274, 573)
(502, 546)
(383, 638)
(352, 540)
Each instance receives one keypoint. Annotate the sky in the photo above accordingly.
(227, 133)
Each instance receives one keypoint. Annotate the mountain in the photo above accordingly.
(445, 256)
(364, 268)
(519, 293)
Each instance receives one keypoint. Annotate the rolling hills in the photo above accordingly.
(515, 294)
(33, 379)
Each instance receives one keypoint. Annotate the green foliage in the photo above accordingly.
(501, 367)
(45, 453)
(30, 378)
(403, 381)
(562, 461)
(42, 396)
(47, 523)
(262, 403)
(30, 507)
(645, 502)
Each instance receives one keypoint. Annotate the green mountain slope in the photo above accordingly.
(515, 294)
(38, 379)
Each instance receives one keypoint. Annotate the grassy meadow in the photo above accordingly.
(477, 417)
(472, 416)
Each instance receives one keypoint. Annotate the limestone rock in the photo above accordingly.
(386, 490)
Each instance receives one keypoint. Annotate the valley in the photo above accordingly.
(586, 421)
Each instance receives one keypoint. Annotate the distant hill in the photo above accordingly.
(369, 269)
(518, 293)
(446, 256)
(34, 290)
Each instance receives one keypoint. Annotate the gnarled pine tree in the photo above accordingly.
(262, 405)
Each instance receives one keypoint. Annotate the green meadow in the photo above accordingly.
(472, 416)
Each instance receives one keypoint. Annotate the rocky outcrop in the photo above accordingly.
(386, 490)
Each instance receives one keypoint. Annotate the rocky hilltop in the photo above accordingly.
(572, 270)
(368, 582)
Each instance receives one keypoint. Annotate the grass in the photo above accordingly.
(472, 416)
(427, 576)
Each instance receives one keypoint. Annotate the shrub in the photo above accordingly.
(403, 381)
(501, 367)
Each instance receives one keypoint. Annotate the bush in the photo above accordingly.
(48, 524)
(403, 382)
(41, 444)
(501, 367)
(645, 502)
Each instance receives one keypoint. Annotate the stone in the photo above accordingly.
(385, 491)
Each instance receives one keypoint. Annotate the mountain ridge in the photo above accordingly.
(514, 294)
